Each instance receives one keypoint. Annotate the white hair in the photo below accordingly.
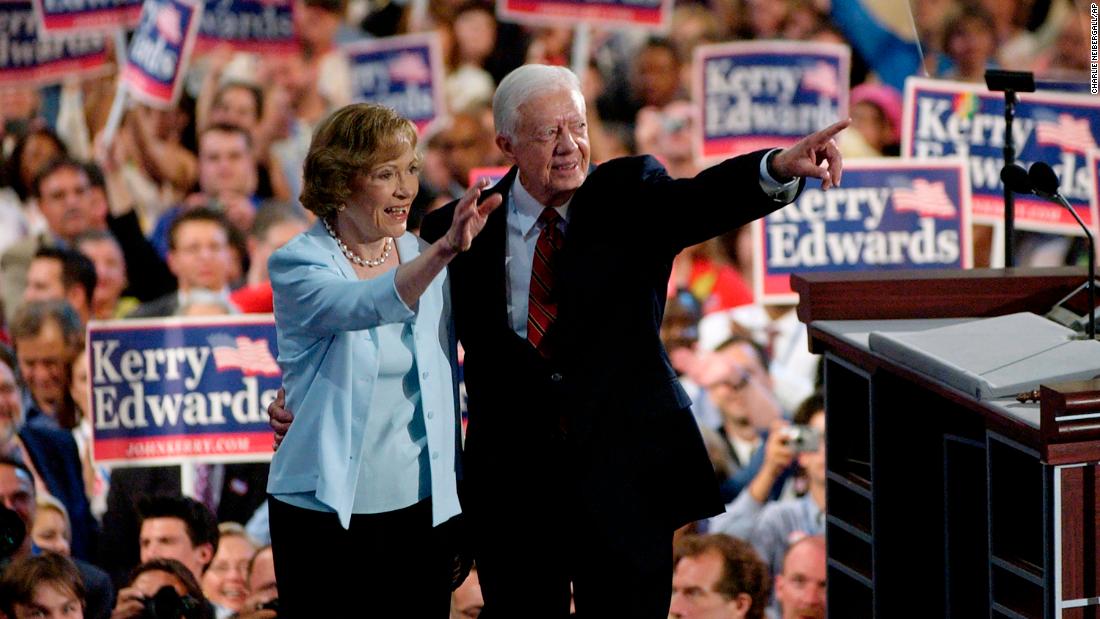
(521, 85)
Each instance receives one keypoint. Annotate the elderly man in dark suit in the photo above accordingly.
(582, 456)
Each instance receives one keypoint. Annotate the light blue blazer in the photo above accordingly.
(330, 365)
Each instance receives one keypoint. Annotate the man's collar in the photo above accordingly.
(526, 209)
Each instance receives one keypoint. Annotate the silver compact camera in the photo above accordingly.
(802, 438)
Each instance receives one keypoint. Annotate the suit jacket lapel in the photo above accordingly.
(485, 264)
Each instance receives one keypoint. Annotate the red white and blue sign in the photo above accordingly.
(260, 26)
(888, 214)
(404, 73)
(176, 389)
(83, 16)
(1094, 195)
(763, 94)
(947, 119)
(26, 57)
(649, 14)
(159, 50)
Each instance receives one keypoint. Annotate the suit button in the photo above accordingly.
(556, 377)
(429, 414)
(424, 374)
(435, 455)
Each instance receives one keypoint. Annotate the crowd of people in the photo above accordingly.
(178, 213)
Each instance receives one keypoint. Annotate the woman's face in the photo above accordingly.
(37, 152)
(225, 581)
(381, 196)
(50, 532)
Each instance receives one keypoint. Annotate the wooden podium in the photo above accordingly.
(940, 505)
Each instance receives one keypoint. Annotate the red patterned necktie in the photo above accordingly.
(542, 305)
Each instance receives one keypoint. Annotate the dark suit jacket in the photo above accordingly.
(610, 395)
(54, 455)
(157, 308)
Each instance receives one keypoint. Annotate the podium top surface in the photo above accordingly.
(857, 333)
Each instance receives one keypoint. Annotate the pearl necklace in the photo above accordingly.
(363, 262)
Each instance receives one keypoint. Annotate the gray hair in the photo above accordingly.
(521, 85)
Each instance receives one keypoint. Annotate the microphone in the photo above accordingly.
(1015, 177)
(1044, 183)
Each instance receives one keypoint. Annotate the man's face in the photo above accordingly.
(467, 601)
(65, 201)
(110, 270)
(693, 590)
(814, 461)
(261, 580)
(44, 361)
(11, 405)
(44, 281)
(550, 145)
(166, 538)
(739, 386)
(800, 589)
(226, 165)
(51, 601)
(200, 257)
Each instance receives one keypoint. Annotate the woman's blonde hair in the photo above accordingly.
(346, 144)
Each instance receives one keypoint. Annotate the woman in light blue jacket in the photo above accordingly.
(367, 474)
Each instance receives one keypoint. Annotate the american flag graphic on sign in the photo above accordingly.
(925, 198)
(169, 24)
(251, 357)
(1071, 134)
(821, 78)
(410, 67)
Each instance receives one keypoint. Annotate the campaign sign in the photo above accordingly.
(159, 50)
(260, 26)
(1094, 195)
(26, 57)
(493, 174)
(889, 214)
(63, 16)
(174, 389)
(649, 14)
(764, 94)
(944, 119)
(404, 73)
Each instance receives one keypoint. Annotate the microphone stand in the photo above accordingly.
(1010, 200)
(1060, 199)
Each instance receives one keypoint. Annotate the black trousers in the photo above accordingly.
(393, 564)
(534, 535)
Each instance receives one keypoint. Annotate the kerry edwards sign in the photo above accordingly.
(159, 50)
(764, 94)
(261, 26)
(166, 390)
(84, 16)
(26, 56)
(404, 73)
(888, 214)
(650, 14)
(948, 119)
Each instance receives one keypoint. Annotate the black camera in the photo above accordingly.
(12, 534)
(168, 604)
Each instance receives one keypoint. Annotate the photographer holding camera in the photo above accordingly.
(162, 589)
(772, 526)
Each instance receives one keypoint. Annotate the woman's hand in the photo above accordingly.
(470, 217)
